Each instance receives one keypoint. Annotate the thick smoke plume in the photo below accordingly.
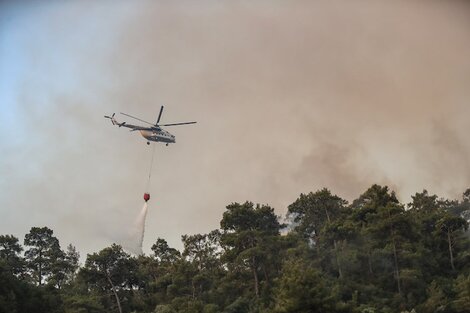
(290, 97)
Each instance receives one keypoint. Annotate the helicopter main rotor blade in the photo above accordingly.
(136, 118)
(175, 124)
(159, 115)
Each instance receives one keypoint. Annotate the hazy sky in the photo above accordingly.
(290, 97)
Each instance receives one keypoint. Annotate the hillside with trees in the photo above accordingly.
(374, 254)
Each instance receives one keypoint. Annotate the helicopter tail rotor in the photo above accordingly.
(113, 121)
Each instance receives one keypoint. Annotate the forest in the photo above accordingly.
(373, 254)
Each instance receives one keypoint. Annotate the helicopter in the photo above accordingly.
(154, 132)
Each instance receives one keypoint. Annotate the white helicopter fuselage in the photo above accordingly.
(158, 136)
(153, 133)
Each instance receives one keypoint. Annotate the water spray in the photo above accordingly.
(140, 221)
(135, 238)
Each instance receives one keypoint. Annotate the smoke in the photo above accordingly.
(133, 242)
(290, 97)
(310, 95)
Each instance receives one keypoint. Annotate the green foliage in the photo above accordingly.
(9, 254)
(313, 211)
(373, 255)
(110, 270)
(19, 296)
(164, 308)
(43, 253)
(301, 288)
(462, 290)
(436, 299)
(163, 252)
(249, 239)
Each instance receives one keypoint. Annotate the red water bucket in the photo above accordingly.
(146, 197)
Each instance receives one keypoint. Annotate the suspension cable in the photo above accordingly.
(147, 188)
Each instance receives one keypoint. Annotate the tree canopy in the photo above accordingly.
(374, 254)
